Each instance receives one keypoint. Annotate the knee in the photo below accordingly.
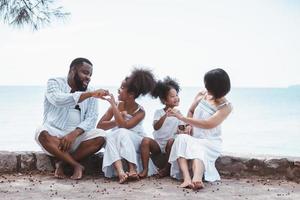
(170, 141)
(44, 137)
(146, 141)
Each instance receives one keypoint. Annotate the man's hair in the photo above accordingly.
(79, 62)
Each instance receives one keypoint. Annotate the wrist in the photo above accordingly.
(181, 117)
(78, 131)
(89, 94)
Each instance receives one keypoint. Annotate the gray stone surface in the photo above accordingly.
(8, 161)
(227, 165)
(43, 162)
(27, 161)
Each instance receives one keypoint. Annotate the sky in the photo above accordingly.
(256, 42)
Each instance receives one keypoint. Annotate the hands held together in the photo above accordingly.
(182, 129)
(105, 95)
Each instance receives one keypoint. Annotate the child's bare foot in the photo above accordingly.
(78, 171)
(123, 177)
(163, 173)
(197, 185)
(59, 171)
(143, 174)
(186, 184)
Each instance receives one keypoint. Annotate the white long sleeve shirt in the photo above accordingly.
(58, 101)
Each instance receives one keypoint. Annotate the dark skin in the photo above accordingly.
(149, 145)
(127, 105)
(59, 147)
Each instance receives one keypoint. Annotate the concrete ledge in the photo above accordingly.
(228, 164)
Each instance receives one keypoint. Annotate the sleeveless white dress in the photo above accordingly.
(204, 144)
(122, 143)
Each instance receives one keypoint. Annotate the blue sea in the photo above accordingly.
(264, 120)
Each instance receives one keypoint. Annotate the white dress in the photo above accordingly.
(167, 130)
(205, 144)
(122, 143)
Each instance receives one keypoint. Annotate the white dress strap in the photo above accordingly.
(139, 108)
(226, 103)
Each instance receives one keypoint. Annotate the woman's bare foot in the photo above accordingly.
(133, 176)
(123, 177)
(186, 184)
(143, 174)
(197, 185)
(59, 171)
(78, 171)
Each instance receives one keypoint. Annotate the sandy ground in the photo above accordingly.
(44, 186)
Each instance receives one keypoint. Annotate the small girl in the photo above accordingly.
(199, 149)
(165, 126)
(123, 142)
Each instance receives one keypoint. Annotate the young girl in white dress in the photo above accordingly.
(165, 126)
(125, 120)
(198, 147)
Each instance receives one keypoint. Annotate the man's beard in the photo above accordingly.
(79, 83)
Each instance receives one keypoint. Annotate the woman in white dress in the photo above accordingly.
(199, 145)
(125, 120)
(165, 127)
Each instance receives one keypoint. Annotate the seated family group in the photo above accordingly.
(192, 143)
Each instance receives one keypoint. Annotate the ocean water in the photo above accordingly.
(263, 121)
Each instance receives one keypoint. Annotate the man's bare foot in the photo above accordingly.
(123, 177)
(186, 184)
(78, 171)
(197, 185)
(59, 171)
(163, 172)
(143, 174)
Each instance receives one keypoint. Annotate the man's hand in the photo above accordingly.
(67, 141)
(100, 93)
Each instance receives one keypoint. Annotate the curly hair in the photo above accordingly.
(140, 82)
(163, 87)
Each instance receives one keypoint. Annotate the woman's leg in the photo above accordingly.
(148, 145)
(183, 165)
(198, 170)
(132, 174)
(120, 172)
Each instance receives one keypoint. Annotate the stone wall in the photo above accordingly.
(228, 164)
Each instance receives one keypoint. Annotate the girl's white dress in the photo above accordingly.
(122, 143)
(205, 144)
(167, 131)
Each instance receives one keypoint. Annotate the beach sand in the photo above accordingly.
(45, 186)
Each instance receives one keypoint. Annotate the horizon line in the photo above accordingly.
(186, 86)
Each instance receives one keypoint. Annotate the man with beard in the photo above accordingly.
(70, 113)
